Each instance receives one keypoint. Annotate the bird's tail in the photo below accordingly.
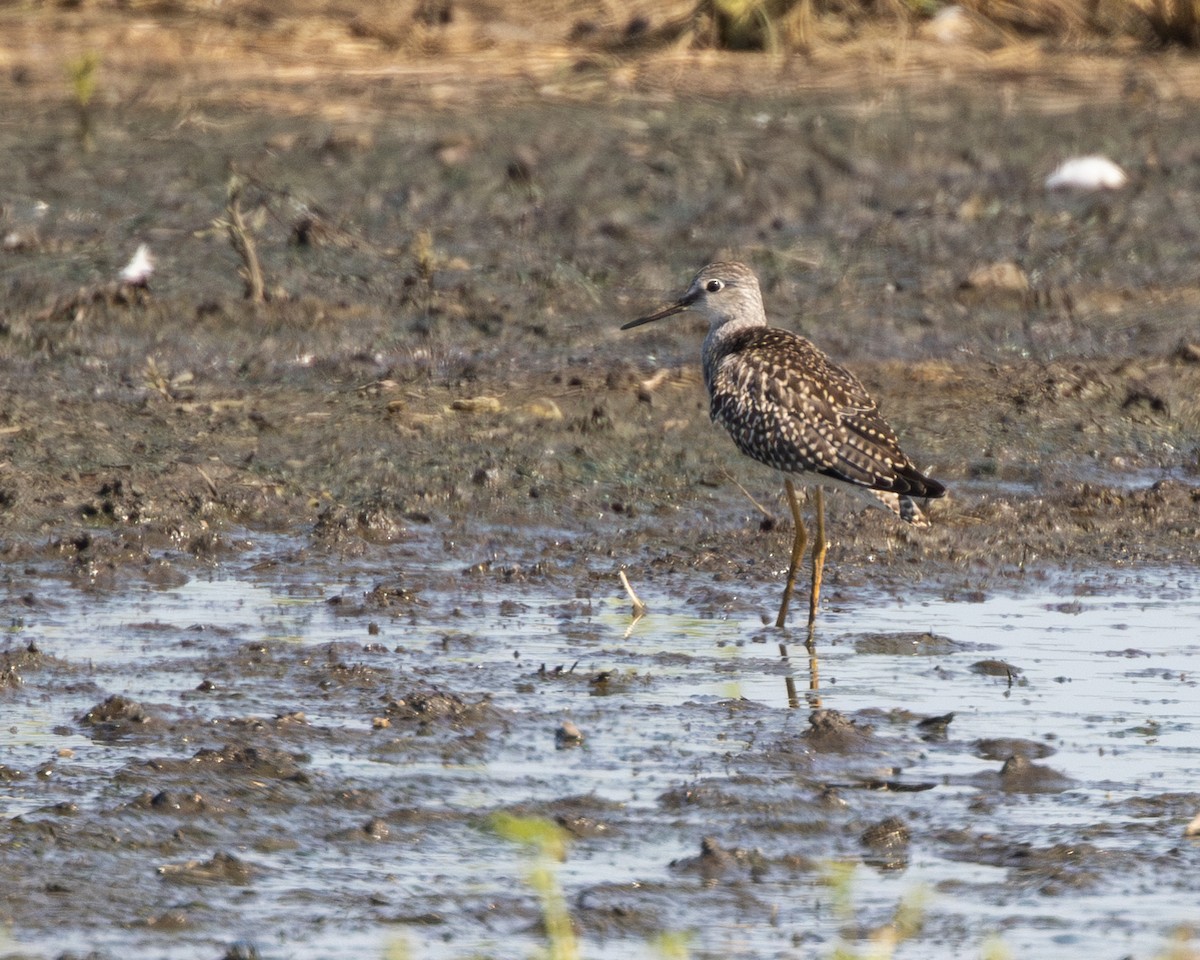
(904, 507)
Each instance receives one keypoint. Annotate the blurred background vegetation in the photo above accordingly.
(434, 26)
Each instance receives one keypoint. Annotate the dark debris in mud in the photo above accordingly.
(436, 378)
(222, 868)
(716, 862)
(1019, 774)
(139, 430)
(16, 662)
(437, 707)
(118, 717)
(831, 732)
(1003, 748)
(901, 644)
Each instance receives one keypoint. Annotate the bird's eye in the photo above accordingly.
(714, 285)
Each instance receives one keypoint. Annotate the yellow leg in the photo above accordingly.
(798, 545)
(820, 548)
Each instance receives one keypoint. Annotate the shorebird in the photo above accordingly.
(786, 404)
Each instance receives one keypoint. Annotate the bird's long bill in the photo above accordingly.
(677, 307)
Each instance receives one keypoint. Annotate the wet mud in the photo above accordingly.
(300, 594)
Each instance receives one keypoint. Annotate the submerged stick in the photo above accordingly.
(639, 608)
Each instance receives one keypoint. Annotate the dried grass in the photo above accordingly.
(793, 24)
(1152, 22)
(455, 26)
(406, 51)
(1172, 22)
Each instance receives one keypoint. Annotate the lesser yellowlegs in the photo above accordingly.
(789, 406)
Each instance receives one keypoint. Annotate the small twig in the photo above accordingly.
(209, 480)
(757, 506)
(639, 608)
(242, 242)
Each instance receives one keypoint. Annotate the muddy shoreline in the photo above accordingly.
(299, 593)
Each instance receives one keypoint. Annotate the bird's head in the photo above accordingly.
(722, 293)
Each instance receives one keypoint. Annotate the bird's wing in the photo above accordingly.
(789, 406)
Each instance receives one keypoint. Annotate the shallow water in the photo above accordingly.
(690, 737)
(439, 379)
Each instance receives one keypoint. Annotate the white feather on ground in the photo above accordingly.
(137, 272)
(1087, 173)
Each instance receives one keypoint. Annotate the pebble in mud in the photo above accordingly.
(567, 735)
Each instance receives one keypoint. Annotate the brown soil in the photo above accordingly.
(453, 222)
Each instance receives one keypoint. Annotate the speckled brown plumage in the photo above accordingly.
(788, 405)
